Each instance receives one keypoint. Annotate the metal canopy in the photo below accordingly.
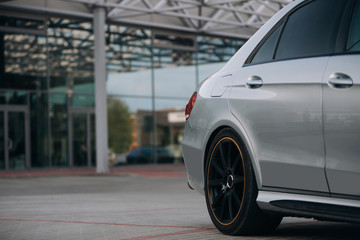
(229, 18)
(234, 18)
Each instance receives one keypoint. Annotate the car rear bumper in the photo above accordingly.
(192, 148)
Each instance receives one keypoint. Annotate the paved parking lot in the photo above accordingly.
(130, 203)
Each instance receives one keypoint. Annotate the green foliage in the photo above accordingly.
(119, 125)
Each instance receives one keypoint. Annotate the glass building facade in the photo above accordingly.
(47, 116)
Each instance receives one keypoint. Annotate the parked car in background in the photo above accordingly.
(144, 155)
(276, 131)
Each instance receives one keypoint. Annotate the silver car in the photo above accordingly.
(276, 131)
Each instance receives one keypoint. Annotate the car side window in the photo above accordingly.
(311, 30)
(266, 51)
(353, 42)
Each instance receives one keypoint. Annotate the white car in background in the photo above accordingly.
(276, 132)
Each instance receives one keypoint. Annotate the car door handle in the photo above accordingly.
(340, 80)
(254, 82)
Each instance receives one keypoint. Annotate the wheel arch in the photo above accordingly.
(208, 144)
(245, 142)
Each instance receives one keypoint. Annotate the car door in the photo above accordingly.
(276, 96)
(283, 118)
(341, 93)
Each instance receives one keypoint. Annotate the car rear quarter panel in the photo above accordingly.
(208, 116)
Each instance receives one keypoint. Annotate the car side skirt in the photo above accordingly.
(319, 207)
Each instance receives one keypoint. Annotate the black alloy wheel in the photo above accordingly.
(226, 181)
(231, 188)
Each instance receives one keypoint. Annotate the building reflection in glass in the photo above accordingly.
(47, 84)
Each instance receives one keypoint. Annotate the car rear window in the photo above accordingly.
(266, 51)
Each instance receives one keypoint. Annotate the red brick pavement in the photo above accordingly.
(151, 171)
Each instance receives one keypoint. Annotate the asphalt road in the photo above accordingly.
(126, 206)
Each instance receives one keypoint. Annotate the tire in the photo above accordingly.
(231, 189)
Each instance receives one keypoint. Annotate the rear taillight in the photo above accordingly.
(190, 105)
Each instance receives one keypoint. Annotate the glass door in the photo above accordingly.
(2, 141)
(82, 143)
(92, 139)
(14, 142)
(79, 140)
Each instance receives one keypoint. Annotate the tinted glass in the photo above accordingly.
(39, 131)
(80, 146)
(2, 141)
(59, 130)
(93, 139)
(311, 30)
(16, 140)
(83, 100)
(353, 43)
(266, 51)
(23, 52)
(13, 97)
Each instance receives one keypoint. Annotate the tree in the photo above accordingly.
(119, 125)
